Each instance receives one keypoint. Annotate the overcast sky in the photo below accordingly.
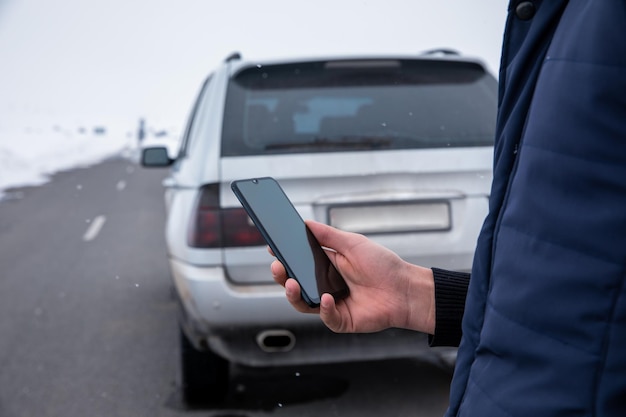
(123, 59)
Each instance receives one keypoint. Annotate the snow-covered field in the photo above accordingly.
(32, 152)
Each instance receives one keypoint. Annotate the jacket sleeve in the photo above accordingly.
(450, 294)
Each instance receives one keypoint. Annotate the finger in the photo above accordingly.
(330, 314)
(292, 292)
(270, 251)
(278, 272)
(292, 288)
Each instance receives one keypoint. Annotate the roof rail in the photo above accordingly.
(233, 56)
(441, 51)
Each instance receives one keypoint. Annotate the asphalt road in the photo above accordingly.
(88, 324)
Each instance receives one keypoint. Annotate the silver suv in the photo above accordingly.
(398, 148)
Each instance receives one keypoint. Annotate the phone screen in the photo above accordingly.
(292, 242)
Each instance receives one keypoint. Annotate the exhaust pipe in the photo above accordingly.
(276, 340)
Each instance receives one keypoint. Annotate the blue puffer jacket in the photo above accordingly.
(544, 330)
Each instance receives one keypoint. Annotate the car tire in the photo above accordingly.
(204, 374)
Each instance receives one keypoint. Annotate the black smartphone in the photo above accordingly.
(291, 240)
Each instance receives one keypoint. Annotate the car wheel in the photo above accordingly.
(204, 374)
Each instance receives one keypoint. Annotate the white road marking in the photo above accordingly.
(94, 228)
(121, 185)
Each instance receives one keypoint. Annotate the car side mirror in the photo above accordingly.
(155, 157)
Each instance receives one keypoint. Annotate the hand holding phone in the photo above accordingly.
(290, 239)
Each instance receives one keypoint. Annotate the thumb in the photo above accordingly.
(328, 236)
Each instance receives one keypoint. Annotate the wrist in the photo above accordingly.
(420, 299)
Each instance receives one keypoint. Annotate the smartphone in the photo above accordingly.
(290, 239)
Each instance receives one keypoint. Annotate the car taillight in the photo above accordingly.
(214, 227)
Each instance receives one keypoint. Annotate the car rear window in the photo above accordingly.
(333, 106)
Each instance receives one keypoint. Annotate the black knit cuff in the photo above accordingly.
(450, 294)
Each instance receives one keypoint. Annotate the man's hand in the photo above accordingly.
(385, 291)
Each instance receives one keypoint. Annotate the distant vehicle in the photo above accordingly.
(398, 148)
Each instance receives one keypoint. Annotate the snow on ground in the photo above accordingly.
(31, 152)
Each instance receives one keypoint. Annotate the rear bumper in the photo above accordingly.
(213, 302)
(231, 320)
(315, 344)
